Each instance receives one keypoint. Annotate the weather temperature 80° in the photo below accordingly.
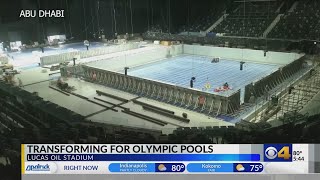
(170, 167)
(298, 156)
(178, 168)
(296, 153)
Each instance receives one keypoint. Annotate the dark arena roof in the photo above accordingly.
(157, 72)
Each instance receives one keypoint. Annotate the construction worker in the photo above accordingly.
(193, 79)
(94, 76)
(226, 86)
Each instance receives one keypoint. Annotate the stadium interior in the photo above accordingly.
(158, 71)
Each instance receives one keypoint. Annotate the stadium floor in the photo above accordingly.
(179, 70)
(36, 81)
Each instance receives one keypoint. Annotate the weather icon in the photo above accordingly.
(239, 167)
(161, 167)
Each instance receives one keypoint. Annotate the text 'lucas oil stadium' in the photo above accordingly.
(151, 71)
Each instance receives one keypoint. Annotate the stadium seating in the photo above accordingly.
(202, 23)
(251, 43)
(248, 20)
(158, 28)
(302, 23)
(253, 18)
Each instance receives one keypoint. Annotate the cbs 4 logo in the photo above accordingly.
(276, 152)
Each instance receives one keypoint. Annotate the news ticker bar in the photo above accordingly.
(100, 167)
(171, 177)
(124, 168)
(110, 159)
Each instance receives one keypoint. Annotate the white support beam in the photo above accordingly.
(272, 25)
(216, 23)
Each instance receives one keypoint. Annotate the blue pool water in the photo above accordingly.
(180, 69)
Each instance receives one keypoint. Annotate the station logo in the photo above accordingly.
(278, 152)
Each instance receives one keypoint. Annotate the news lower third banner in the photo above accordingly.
(167, 158)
